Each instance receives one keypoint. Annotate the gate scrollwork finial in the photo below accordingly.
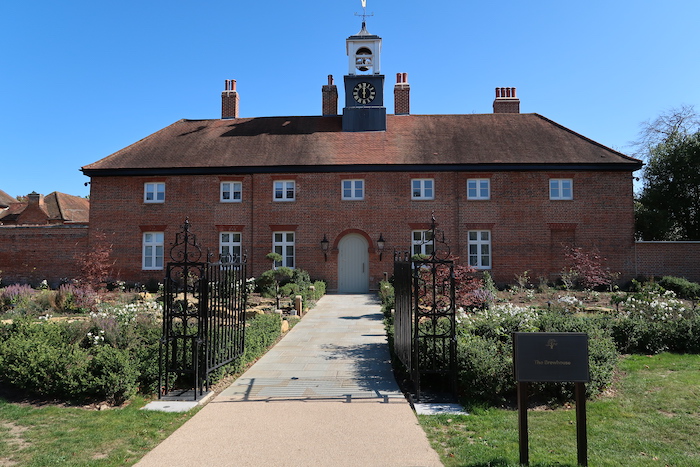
(185, 247)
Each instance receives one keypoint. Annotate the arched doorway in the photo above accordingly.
(353, 264)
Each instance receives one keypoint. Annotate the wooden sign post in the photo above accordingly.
(551, 357)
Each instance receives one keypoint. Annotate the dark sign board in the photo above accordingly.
(551, 356)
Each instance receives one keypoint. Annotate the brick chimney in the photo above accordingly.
(330, 98)
(506, 102)
(229, 100)
(402, 95)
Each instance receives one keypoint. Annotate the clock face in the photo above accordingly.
(364, 93)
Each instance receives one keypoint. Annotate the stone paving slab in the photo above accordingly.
(337, 405)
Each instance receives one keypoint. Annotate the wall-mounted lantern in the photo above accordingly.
(380, 246)
(324, 247)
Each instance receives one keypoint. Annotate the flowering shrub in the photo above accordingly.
(654, 320)
(568, 303)
(73, 298)
(485, 358)
(499, 321)
(15, 294)
(653, 305)
(116, 324)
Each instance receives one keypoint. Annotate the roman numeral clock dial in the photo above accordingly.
(364, 93)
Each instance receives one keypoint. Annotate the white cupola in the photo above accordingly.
(363, 51)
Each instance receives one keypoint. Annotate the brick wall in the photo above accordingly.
(30, 254)
(528, 230)
(681, 259)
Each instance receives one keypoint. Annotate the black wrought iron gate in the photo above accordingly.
(203, 316)
(425, 312)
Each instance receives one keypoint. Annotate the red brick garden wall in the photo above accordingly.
(31, 254)
(681, 259)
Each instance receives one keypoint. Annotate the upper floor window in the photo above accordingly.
(284, 190)
(231, 192)
(152, 254)
(354, 189)
(479, 248)
(283, 244)
(422, 242)
(422, 188)
(230, 245)
(478, 188)
(561, 188)
(154, 192)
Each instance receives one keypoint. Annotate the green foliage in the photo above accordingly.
(41, 360)
(668, 207)
(114, 374)
(108, 357)
(260, 333)
(319, 290)
(485, 368)
(485, 358)
(489, 284)
(681, 286)
(286, 282)
(271, 280)
(650, 419)
(386, 295)
(15, 296)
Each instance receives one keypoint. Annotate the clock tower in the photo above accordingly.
(364, 84)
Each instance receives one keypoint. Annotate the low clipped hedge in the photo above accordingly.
(75, 362)
(50, 360)
(647, 321)
(485, 353)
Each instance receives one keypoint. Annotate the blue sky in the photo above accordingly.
(82, 79)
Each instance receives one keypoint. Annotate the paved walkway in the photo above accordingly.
(325, 395)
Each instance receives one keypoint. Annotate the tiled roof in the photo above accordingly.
(67, 208)
(317, 143)
(6, 200)
(57, 207)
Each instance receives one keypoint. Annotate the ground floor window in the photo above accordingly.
(479, 244)
(283, 244)
(422, 242)
(230, 245)
(153, 250)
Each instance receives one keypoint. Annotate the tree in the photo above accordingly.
(683, 120)
(668, 207)
(96, 264)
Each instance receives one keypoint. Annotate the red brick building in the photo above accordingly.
(509, 190)
(42, 237)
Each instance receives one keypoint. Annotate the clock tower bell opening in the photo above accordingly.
(364, 84)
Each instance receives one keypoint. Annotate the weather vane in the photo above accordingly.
(364, 11)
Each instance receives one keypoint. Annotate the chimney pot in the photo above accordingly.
(230, 100)
(329, 94)
(402, 95)
(506, 101)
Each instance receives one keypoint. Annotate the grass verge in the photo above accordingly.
(650, 418)
(53, 435)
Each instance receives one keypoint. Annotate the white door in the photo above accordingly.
(353, 264)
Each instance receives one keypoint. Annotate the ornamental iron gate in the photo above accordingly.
(203, 316)
(424, 322)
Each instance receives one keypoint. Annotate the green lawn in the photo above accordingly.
(52, 435)
(650, 418)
